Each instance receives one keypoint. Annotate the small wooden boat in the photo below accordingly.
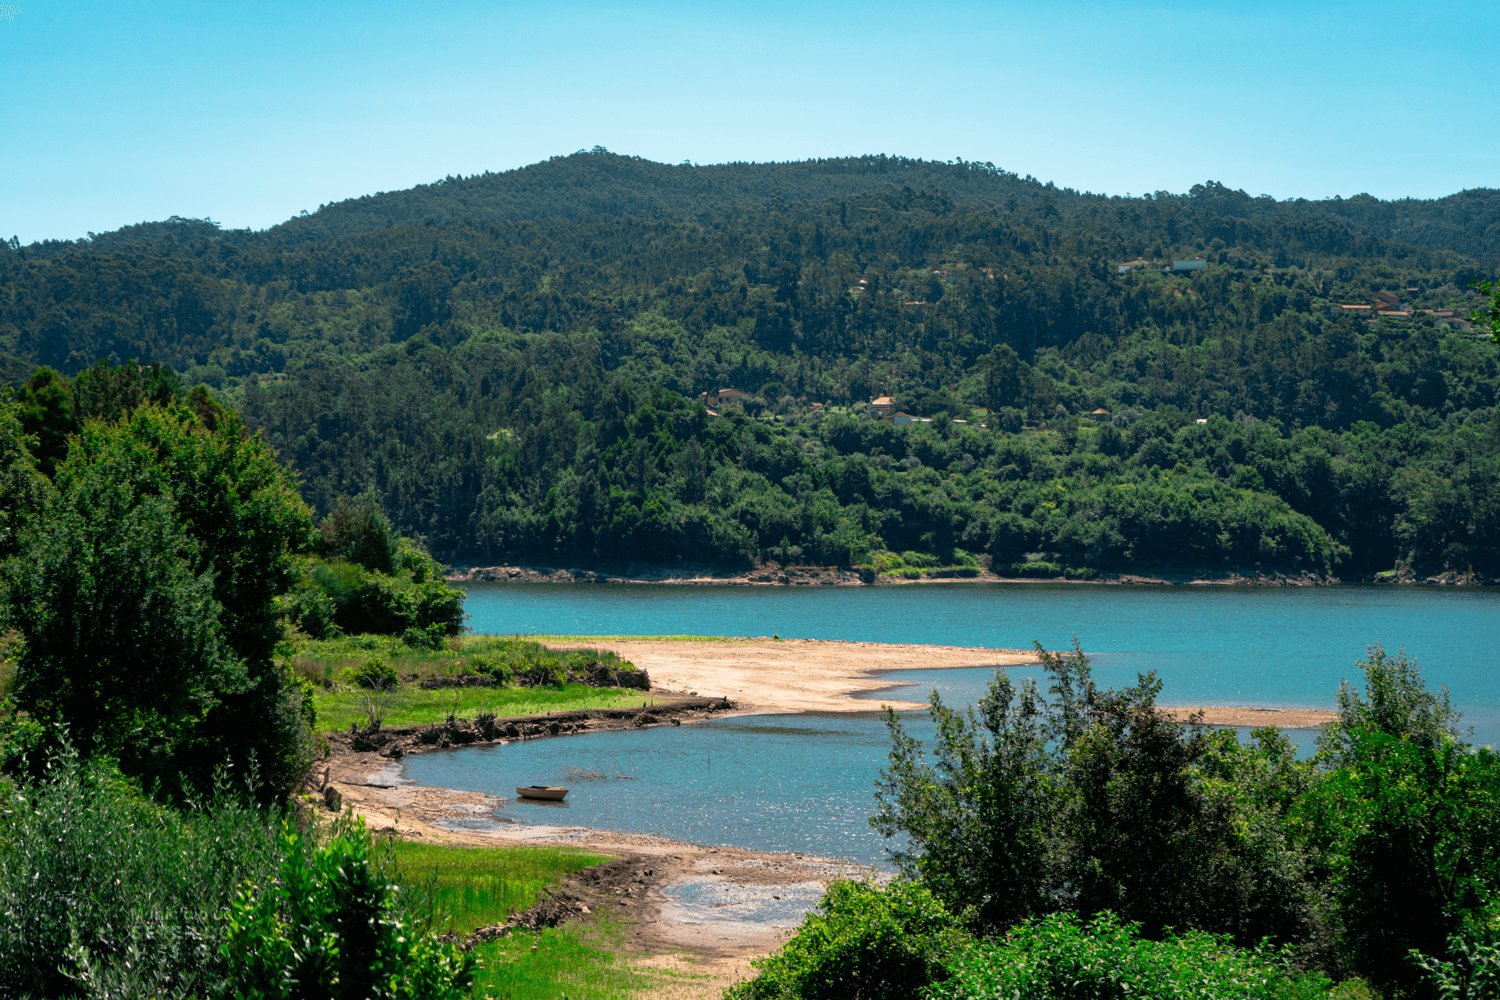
(554, 793)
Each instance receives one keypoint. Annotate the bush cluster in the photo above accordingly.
(107, 893)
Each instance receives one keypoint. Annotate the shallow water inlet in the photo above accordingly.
(704, 899)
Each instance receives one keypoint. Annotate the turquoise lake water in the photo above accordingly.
(805, 782)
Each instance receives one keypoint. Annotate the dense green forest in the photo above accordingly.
(511, 365)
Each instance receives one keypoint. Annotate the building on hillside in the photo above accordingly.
(1189, 265)
(1100, 414)
(723, 397)
(885, 405)
(901, 419)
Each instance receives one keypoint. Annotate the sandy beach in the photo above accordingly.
(799, 675)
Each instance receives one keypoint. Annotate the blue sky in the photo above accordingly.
(113, 113)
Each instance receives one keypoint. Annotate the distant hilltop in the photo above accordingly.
(599, 182)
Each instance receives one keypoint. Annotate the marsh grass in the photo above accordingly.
(412, 706)
(330, 662)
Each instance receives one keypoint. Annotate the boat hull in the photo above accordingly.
(551, 793)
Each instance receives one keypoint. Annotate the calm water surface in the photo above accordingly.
(806, 782)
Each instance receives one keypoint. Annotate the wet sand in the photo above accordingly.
(1285, 718)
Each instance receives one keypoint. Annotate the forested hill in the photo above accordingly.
(604, 183)
(527, 388)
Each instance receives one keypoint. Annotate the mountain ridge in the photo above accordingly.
(599, 182)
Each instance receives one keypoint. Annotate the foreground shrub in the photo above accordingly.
(106, 893)
(1062, 958)
(863, 943)
(330, 926)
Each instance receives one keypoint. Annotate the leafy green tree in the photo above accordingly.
(23, 491)
(1396, 703)
(1094, 801)
(147, 599)
(123, 643)
(979, 819)
(1411, 845)
(1489, 314)
(46, 410)
(108, 392)
(358, 531)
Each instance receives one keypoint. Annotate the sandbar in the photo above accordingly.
(798, 675)
(818, 675)
(1285, 718)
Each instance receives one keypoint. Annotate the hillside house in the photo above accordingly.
(1102, 415)
(723, 398)
(884, 404)
(901, 419)
(1189, 265)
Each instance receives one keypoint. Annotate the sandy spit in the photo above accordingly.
(800, 675)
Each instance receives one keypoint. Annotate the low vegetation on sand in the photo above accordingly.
(368, 679)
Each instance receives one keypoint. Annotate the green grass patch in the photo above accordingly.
(478, 886)
(475, 887)
(573, 961)
(413, 706)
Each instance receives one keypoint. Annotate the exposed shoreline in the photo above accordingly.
(740, 676)
(1228, 715)
(773, 575)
